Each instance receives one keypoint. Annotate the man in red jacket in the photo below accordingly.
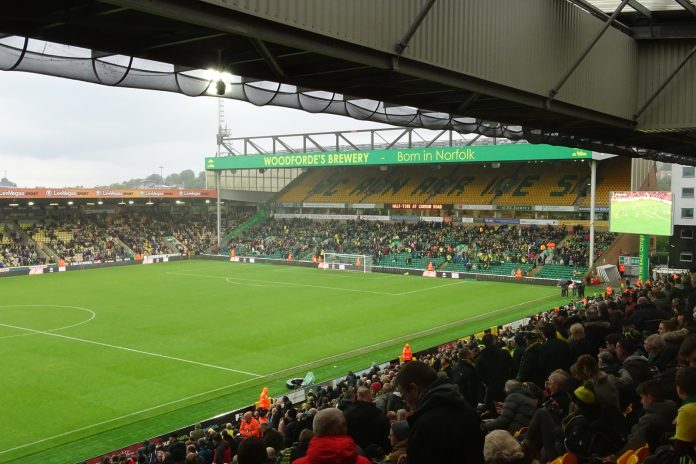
(331, 444)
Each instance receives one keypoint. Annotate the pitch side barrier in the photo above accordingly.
(299, 395)
(387, 270)
(54, 268)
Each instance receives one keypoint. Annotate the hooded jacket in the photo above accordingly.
(444, 428)
(335, 449)
(518, 410)
(658, 417)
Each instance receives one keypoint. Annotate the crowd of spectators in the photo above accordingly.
(573, 252)
(476, 247)
(597, 378)
(100, 237)
(16, 252)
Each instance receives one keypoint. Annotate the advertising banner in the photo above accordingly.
(94, 194)
(404, 156)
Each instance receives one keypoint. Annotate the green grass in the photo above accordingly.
(644, 216)
(98, 359)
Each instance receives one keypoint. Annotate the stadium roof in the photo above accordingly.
(293, 67)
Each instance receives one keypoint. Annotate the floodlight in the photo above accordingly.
(70, 203)
(31, 203)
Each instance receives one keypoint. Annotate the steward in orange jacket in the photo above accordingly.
(249, 426)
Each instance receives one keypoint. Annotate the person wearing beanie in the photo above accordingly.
(592, 429)
(398, 438)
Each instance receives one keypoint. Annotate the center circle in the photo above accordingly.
(88, 316)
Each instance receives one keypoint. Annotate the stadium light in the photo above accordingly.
(207, 201)
(121, 202)
(100, 202)
(179, 202)
(130, 202)
(70, 203)
(149, 202)
(53, 204)
(31, 203)
(14, 204)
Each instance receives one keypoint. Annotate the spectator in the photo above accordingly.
(518, 409)
(659, 414)
(366, 424)
(493, 366)
(252, 451)
(331, 444)
(249, 426)
(685, 436)
(398, 439)
(443, 426)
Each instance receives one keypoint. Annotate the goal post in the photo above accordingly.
(347, 262)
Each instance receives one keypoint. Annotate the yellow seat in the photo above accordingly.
(623, 459)
(639, 455)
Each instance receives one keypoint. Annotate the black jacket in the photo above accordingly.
(444, 428)
(367, 425)
(494, 367)
(463, 374)
(530, 367)
(555, 354)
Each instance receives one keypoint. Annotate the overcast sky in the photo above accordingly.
(57, 132)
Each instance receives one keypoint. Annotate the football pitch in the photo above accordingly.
(644, 216)
(98, 359)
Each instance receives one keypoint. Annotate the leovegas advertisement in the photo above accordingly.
(93, 194)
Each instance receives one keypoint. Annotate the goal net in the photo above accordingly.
(347, 262)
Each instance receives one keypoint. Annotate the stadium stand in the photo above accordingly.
(567, 396)
(612, 175)
(561, 183)
(497, 250)
(99, 237)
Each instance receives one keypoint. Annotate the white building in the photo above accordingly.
(683, 243)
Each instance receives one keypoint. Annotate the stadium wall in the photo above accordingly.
(54, 268)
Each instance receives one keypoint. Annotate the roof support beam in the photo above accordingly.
(586, 51)
(597, 13)
(403, 43)
(270, 60)
(666, 81)
(687, 5)
(636, 5)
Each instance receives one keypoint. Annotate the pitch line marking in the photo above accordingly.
(132, 350)
(324, 287)
(93, 315)
(273, 374)
(125, 416)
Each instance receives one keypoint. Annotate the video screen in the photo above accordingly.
(647, 213)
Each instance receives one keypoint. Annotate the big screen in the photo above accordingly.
(647, 213)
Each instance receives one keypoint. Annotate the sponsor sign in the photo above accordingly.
(413, 206)
(364, 205)
(540, 222)
(501, 221)
(405, 156)
(513, 208)
(555, 208)
(323, 205)
(455, 275)
(93, 194)
(431, 219)
(474, 207)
